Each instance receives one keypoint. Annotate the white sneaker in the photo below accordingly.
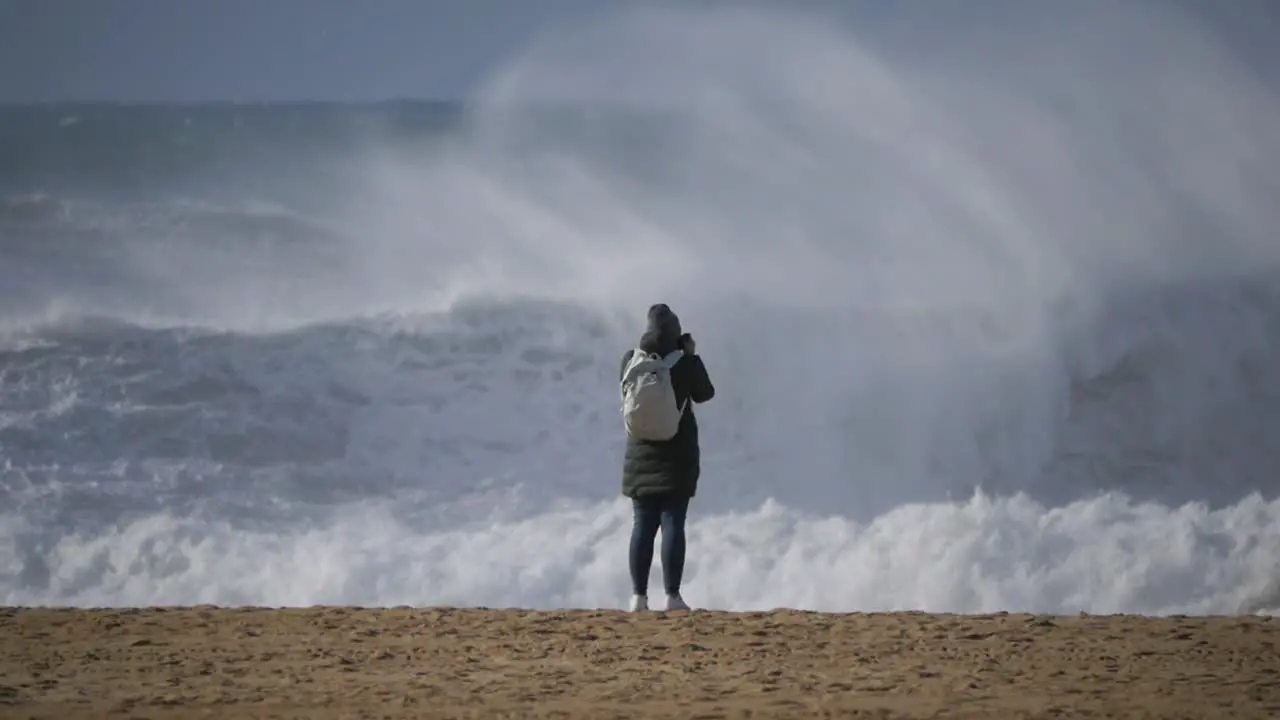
(675, 602)
(639, 603)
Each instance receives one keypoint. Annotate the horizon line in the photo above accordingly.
(404, 99)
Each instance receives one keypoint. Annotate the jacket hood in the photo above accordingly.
(662, 333)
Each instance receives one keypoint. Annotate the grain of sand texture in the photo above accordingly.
(333, 662)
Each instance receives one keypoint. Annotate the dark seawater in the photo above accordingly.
(127, 151)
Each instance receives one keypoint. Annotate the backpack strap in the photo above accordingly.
(670, 361)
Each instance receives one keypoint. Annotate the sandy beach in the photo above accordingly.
(334, 662)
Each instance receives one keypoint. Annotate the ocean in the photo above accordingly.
(986, 335)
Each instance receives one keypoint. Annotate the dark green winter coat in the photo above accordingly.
(671, 466)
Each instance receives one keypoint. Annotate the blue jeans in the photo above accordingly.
(651, 513)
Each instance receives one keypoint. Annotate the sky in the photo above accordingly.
(188, 50)
(254, 50)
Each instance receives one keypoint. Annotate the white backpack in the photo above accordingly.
(649, 408)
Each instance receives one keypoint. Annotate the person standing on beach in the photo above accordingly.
(660, 381)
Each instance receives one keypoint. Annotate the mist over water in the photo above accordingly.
(992, 317)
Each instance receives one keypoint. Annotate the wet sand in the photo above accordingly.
(337, 662)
